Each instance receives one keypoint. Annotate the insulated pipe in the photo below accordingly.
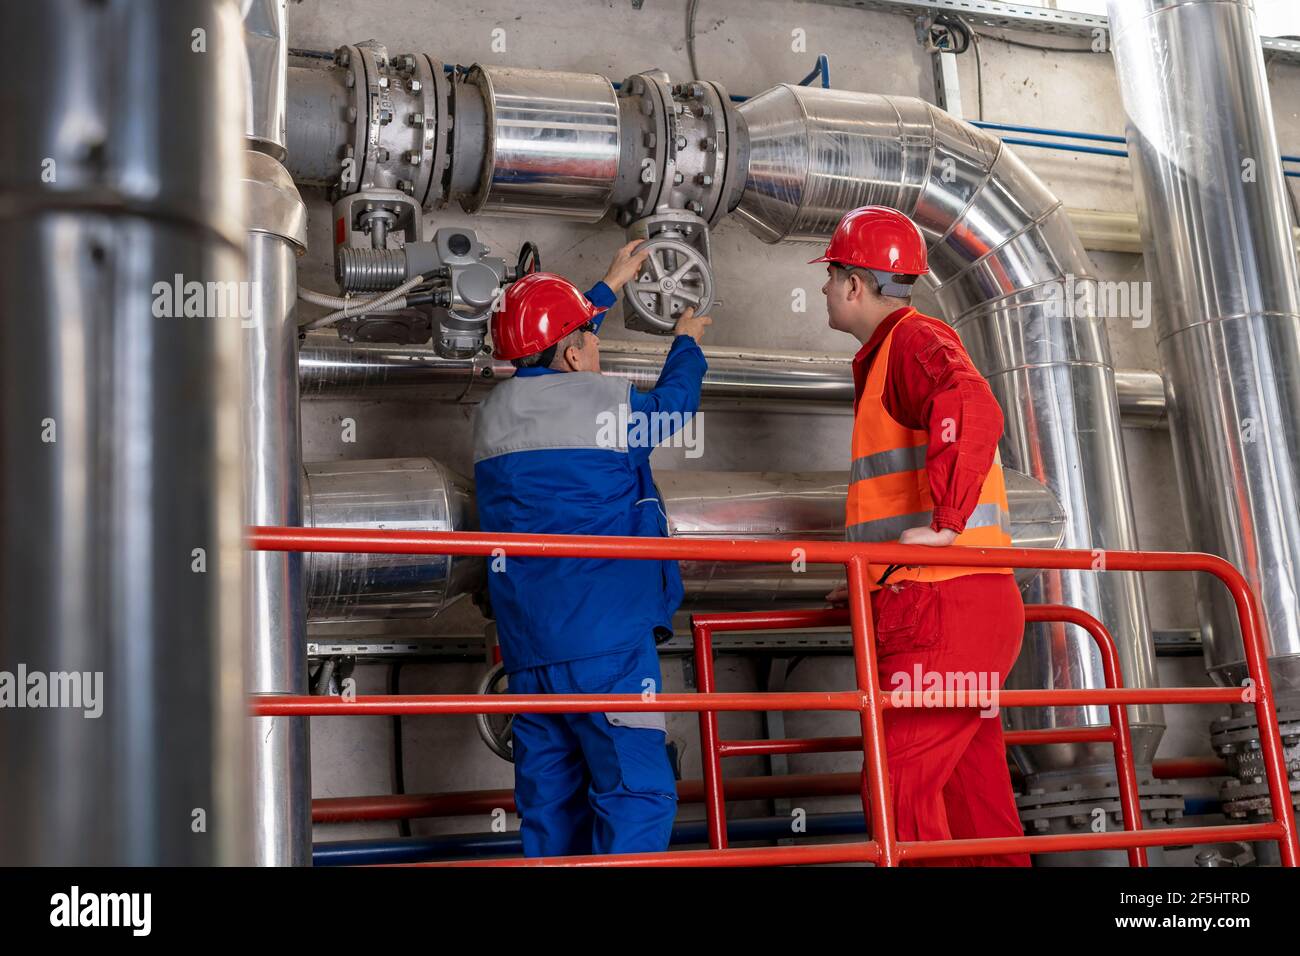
(398, 493)
(277, 617)
(330, 368)
(276, 607)
(281, 772)
(1005, 263)
(1217, 236)
(419, 494)
(122, 235)
(265, 43)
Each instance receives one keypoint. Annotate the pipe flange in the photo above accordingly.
(1253, 798)
(691, 152)
(435, 120)
(705, 152)
(653, 161)
(399, 108)
(1076, 806)
(1242, 726)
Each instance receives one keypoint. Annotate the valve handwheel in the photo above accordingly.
(675, 277)
(497, 730)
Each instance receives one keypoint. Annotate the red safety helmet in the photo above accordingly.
(538, 311)
(880, 239)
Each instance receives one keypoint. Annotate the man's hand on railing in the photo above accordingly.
(839, 597)
(928, 537)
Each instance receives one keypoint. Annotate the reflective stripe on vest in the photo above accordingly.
(889, 488)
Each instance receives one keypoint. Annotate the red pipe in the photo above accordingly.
(788, 745)
(299, 705)
(471, 802)
(756, 856)
(1183, 768)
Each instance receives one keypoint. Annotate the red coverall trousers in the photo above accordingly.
(948, 767)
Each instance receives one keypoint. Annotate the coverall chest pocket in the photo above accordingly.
(907, 617)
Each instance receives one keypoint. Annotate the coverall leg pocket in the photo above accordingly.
(632, 790)
(907, 617)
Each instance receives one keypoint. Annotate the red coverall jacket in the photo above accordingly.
(947, 767)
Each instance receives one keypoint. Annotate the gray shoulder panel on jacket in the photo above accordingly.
(567, 410)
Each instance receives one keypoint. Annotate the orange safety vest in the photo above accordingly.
(889, 490)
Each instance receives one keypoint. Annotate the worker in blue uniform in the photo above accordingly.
(557, 450)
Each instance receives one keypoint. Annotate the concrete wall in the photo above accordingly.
(746, 45)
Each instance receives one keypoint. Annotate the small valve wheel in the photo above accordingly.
(674, 277)
(497, 730)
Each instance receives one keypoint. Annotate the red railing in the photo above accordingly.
(867, 700)
(713, 749)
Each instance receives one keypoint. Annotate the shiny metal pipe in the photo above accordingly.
(1004, 258)
(317, 125)
(333, 369)
(267, 48)
(421, 494)
(121, 541)
(415, 494)
(551, 143)
(1141, 397)
(330, 368)
(1217, 235)
(277, 617)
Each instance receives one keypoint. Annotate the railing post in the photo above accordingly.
(876, 801)
(1270, 737)
(715, 806)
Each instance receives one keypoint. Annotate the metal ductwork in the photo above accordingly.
(121, 542)
(395, 494)
(419, 494)
(1001, 249)
(1217, 237)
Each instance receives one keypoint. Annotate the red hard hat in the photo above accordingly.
(880, 238)
(538, 311)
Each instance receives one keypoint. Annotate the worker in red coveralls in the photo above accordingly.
(926, 472)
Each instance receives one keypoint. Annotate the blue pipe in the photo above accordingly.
(1047, 131)
(823, 67)
(479, 845)
(1067, 147)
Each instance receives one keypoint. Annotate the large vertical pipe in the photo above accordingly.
(1217, 238)
(121, 536)
(277, 625)
(277, 613)
(268, 58)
